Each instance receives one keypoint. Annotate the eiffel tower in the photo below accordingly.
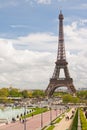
(61, 63)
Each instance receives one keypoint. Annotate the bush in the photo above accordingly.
(83, 121)
(75, 122)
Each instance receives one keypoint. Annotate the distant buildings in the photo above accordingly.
(79, 89)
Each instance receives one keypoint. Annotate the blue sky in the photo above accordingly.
(28, 41)
(22, 17)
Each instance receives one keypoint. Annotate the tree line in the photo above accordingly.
(81, 96)
(14, 92)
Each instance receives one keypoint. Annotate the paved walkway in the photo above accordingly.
(33, 123)
(64, 124)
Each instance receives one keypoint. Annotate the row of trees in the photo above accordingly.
(14, 92)
(80, 94)
(67, 98)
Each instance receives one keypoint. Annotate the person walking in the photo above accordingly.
(86, 114)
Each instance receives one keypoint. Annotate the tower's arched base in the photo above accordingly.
(54, 84)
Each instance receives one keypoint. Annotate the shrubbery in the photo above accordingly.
(83, 121)
(75, 122)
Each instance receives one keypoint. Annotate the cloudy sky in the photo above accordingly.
(29, 40)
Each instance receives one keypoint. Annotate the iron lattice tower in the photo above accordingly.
(61, 63)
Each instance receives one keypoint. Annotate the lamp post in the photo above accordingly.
(56, 111)
(50, 115)
(25, 117)
(41, 117)
(50, 111)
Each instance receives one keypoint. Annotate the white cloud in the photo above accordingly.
(32, 66)
(76, 36)
(76, 44)
(18, 26)
(38, 41)
(43, 1)
(81, 6)
(23, 68)
(83, 21)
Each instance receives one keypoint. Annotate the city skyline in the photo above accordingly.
(29, 41)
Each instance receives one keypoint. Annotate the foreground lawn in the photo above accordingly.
(35, 111)
(50, 127)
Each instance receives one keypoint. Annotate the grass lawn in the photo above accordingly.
(35, 111)
(50, 127)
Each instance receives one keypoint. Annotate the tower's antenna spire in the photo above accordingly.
(60, 10)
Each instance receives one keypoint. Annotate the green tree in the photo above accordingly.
(75, 100)
(30, 94)
(14, 92)
(25, 93)
(70, 99)
(38, 93)
(67, 98)
(82, 94)
(4, 92)
(59, 94)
